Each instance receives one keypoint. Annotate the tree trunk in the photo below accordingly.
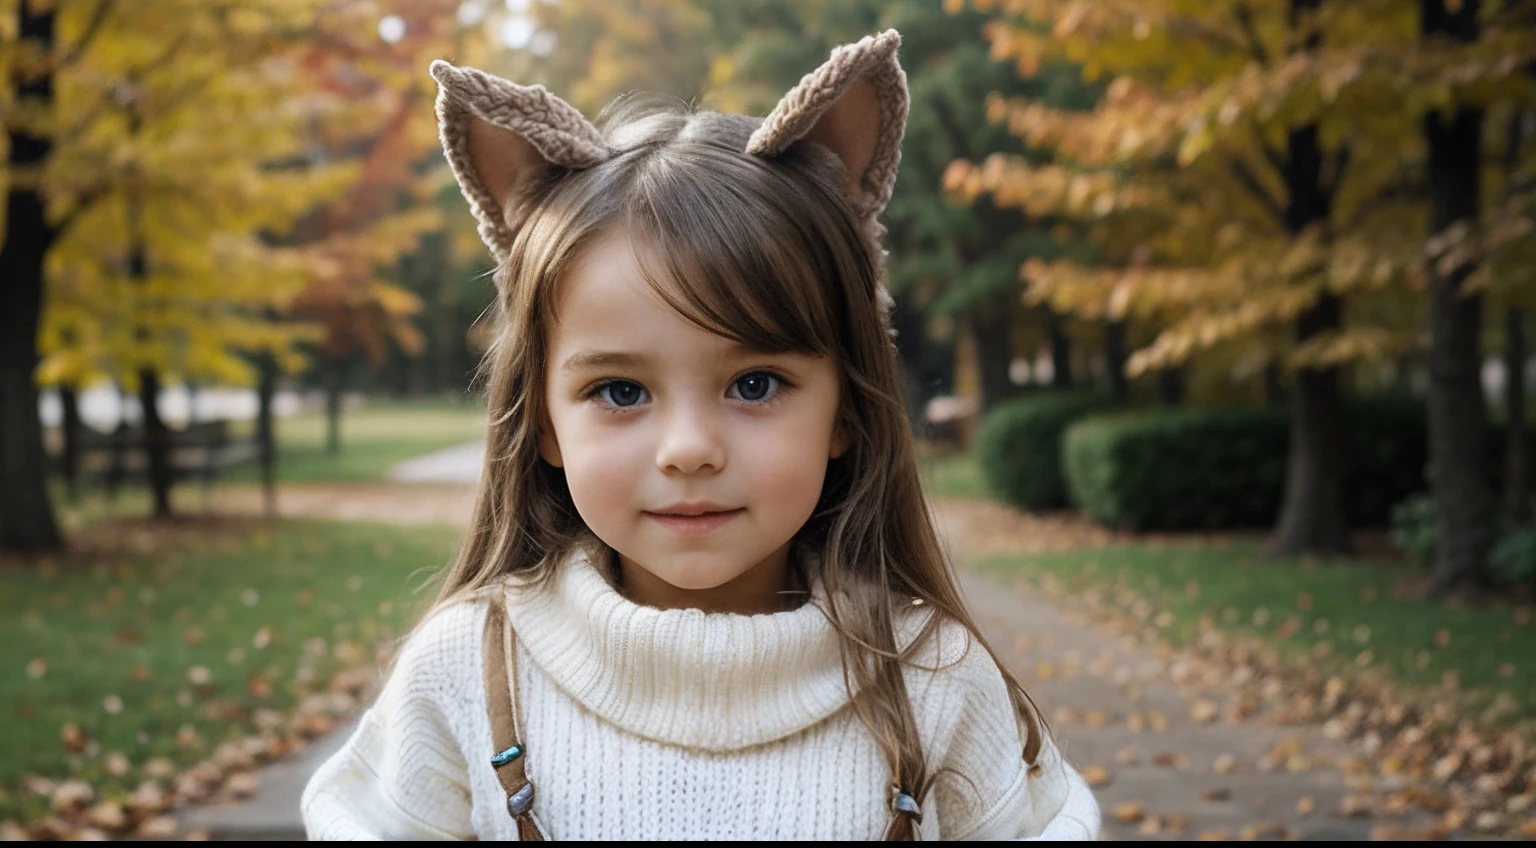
(1517, 484)
(1061, 352)
(1312, 517)
(335, 371)
(157, 436)
(1114, 360)
(1464, 505)
(1274, 385)
(157, 441)
(1170, 386)
(27, 522)
(992, 328)
(266, 435)
(69, 427)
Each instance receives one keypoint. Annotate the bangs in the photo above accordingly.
(728, 244)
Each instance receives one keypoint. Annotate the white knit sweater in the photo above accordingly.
(642, 723)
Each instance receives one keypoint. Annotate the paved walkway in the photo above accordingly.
(1112, 705)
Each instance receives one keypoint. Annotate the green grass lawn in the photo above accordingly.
(1347, 617)
(1353, 616)
(953, 475)
(372, 439)
(154, 639)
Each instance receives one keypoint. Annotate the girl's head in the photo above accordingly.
(691, 318)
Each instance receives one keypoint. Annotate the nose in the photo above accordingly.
(690, 443)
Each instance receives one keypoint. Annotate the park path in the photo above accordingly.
(1162, 769)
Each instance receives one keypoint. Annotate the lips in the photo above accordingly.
(694, 519)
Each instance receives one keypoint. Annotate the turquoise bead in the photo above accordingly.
(506, 756)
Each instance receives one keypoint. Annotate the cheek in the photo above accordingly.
(603, 467)
(787, 466)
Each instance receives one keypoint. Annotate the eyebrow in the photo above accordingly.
(590, 358)
(600, 359)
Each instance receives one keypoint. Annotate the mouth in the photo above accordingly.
(695, 523)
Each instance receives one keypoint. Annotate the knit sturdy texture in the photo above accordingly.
(641, 723)
(874, 59)
(553, 127)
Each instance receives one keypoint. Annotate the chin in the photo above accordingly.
(698, 577)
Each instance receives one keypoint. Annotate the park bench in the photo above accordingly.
(203, 450)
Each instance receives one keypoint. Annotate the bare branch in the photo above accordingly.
(1250, 181)
(1250, 30)
(91, 28)
(1332, 181)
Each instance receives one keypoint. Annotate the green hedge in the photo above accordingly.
(1177, 468)
(1019, 446)
(1192, 469)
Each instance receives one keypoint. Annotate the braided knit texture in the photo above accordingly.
(553, 127)
(872, 58)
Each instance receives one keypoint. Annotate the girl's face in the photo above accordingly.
(695, 459)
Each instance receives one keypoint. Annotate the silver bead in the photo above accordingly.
(905, 803)
(521, 801)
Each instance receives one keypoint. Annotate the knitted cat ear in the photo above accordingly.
(497, 135)
(856, 105)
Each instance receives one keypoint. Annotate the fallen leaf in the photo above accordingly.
(108, 815)
(1442, 637)
(1224, 764)
(1204, 711)
(1170, 759)
(1129, 812)
(71, 795)
(1097, 776)
(116, 764)
(157, 827)
(73, 737)
(1305, 805)
(36, 668)
(1218, 794)
(258, 687)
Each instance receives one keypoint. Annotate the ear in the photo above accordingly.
(549, 447)
(842, 439)
(497, 135)
(856, 105)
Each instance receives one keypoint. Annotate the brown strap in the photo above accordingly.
(502, 702)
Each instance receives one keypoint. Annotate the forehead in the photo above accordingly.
(604, 302)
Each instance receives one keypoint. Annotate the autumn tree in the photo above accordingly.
(1243, 180)
(39, 41)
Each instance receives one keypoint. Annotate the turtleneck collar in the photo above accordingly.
(710, 681)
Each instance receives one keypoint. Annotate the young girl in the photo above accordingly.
(701, 596)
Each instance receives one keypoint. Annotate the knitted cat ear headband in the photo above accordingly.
(497, 134)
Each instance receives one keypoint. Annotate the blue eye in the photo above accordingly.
(756, 387)
(622, 393)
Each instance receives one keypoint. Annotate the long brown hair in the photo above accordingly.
(768, 252)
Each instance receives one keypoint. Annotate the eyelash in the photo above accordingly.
(784, 387)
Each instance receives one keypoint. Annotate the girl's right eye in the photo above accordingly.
(620, 393)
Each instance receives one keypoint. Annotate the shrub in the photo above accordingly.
(1019, 446)
(1178, 469)
(1209, 469)
(1414, 530)
(1513, 562)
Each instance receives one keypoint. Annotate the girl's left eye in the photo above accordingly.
(756, 387)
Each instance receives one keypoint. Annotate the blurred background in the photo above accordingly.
(1212, 318)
